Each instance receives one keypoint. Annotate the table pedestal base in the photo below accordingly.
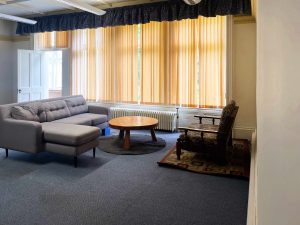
(126, 144)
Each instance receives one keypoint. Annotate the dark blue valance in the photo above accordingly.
(161, 11)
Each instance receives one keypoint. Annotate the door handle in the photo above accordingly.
(19, 90)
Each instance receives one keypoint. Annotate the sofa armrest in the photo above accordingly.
(26, 136)
(97, 109)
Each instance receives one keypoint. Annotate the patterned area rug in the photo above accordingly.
(238, 165)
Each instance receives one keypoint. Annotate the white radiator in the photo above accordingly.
(167, 120)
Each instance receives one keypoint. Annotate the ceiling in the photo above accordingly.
(29, 8)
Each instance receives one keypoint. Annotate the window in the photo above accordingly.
(54, 70)
(163, 63)
(51, 42)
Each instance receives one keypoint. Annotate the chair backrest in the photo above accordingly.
(226, 122)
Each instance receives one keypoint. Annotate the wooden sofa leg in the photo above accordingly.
(94, 152)
(178, 149)
(75, 161)
(6, 152)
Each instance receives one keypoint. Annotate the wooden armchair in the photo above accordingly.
(210, 138)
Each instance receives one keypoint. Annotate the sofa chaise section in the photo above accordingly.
(69, 139)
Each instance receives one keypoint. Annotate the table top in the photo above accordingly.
(133, 122)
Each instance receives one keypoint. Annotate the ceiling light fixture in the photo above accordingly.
(83, 6)
(17, 19)
(192, 2)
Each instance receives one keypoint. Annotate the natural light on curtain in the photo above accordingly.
(105, 62)
(184, 63)
(50, 40)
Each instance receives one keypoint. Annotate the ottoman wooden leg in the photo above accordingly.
(6, 152)
(94, 152)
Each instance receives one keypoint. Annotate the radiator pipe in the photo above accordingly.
(177, 116)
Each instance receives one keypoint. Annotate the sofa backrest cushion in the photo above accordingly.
(19, 113)
(32, 111)
(56, 110)
(77, 105)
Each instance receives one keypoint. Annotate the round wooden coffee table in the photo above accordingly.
(128, 123)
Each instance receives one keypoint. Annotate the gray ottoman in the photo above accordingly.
(69, 139)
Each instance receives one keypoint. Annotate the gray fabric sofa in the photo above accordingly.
(66, 125)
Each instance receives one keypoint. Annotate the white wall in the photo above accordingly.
(244, 77)
(9, 61)
(6, 75)
(5, 72)
(278, 112)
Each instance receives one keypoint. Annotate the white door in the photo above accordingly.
(32, 82)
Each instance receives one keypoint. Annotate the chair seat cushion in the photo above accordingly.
(88, 119)
(69, 134)
(193, 138)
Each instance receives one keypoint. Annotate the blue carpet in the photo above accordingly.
(115, 190)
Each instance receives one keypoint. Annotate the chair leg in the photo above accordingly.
(6, 152)
(75, 161)
(178, 149)
(94, 152)
(221, 156)
(230, 140)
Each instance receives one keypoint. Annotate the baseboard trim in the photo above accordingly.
(243, 132)
(252, 198)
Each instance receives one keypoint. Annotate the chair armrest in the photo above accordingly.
(97, 109)
(21, 135)
(186, 129)
(207, 117)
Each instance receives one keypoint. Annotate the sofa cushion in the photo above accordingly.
(56, 110)
(95, 119)
(88, 119)
(32, 111)
(77, 119)
(69, 134)
(19, 113)
(77, 105)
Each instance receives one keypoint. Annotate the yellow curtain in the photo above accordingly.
(43, 40)
(62, 39)
(83, 49)
(105, 63)
(212, 61)
(126, 63)
(183, 62)
(154, 63)
(184, 57)
(47, 40)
